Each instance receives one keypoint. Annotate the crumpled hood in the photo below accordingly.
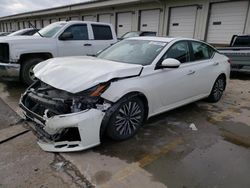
(75, 74)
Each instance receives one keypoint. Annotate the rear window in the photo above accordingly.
(243, 41)
(102, 32)
(201, 51)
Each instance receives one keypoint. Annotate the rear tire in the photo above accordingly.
(126, 119)
(27, 74)
(218, 89)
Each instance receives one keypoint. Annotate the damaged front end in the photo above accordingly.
(64, 121)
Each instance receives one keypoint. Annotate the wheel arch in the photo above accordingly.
(26, 56)
(223, 75)
(112, 109)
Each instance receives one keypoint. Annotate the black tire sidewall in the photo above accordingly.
(111, 129)
(211, 97)
(26, 68)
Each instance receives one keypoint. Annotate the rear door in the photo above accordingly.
(204, 66)
(77, 46)
(101, 37)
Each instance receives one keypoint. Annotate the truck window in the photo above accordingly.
(102, 32)
(79, 32)
(242, 41)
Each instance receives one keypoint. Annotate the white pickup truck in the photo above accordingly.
(19, 55)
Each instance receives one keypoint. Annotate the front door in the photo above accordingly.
(78, 45)
(175, 85)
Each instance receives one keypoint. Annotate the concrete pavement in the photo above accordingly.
(165, 153)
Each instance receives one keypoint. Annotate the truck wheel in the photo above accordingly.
(27, 74)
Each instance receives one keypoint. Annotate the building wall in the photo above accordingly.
(201, 26)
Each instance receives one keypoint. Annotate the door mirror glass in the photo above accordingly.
(170, 63)
(66, 36)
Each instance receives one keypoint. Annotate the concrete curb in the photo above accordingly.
(12, 132)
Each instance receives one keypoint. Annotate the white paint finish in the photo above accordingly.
(76, 74)
(162, 95)
(232, 16)
(36, 44)
(150, 20)
(182, 21)
(89, 18)
(105, 18)
(124, 23)
(81, 72)
(88, 123)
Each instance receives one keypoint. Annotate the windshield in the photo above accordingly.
(50, 30)
(131, 34)
(142, 52)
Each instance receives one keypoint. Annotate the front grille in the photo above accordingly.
(4, 52)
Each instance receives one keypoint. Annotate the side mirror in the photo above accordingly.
(66, 36)
(170, 63)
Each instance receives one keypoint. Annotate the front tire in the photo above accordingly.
(217, 90)
(27, 74)
(126, 119)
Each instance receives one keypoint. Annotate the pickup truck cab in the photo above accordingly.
(239, 53)
(19, 54)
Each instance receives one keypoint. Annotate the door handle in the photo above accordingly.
(190, 72)
(87, 44)
(216, 64)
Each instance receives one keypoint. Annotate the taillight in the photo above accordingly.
(229, 61)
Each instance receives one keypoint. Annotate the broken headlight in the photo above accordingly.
(88, 98)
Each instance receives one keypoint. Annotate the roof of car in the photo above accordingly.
(80, 21)
(158, 39)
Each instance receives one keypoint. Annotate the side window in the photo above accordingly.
(179, 51)
(79, 32)
(102, 32)
(201, 51)
(243, 41)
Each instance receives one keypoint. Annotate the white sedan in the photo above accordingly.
(78, 100)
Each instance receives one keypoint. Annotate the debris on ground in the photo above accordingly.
(193, 127)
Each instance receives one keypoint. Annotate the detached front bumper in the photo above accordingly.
(9, 71)
(87, 122)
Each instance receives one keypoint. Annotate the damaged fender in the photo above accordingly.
(88, 123)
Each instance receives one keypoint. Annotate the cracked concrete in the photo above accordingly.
(165, 152)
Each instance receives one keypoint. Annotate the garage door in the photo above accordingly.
(105, 18)
(182, 21)
(124, 23)
(45, 23)
(150, 20)
(38, 24)
(53, 20)
(74, 18)
(226, 20)
(89, 18)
